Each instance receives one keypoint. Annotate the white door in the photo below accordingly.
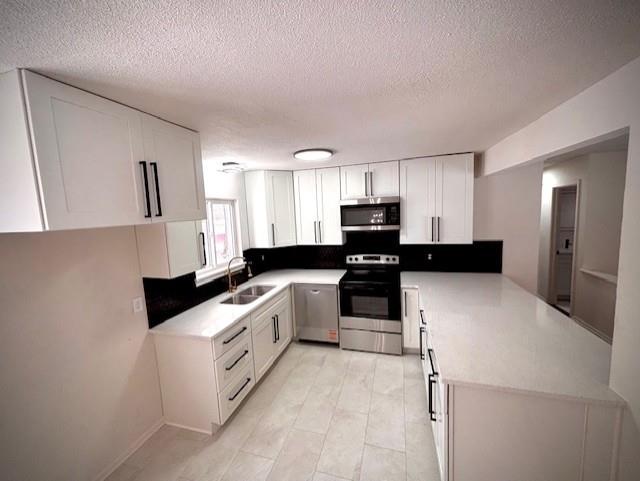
(184, 247)
(353, 181)
(282, 208)
(264, 339)
(328, 201)
(175, 169)
(410, 319)
(87, 151)
(283, 324)
(383, 179)
(304, 188)
(417, 201)
(454, 199)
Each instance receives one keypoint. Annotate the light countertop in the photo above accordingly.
(207, 320)
(485, 330)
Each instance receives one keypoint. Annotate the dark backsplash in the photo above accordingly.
(169, 297)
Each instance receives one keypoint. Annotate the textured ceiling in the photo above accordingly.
(375, 79)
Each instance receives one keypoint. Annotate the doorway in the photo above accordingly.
(565, 207)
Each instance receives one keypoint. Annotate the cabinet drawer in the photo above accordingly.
(233, 394)
(229, 365)
(231, 337)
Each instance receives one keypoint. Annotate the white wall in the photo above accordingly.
(77, 367)
(601, 111)
(218, 185)
(601, 178)
(507, 207)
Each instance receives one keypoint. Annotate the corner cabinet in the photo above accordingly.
(203, 381)
(317, 201)
(270, 208)
(71, 160)
(378, 179)
(171, 250)
(436, 197)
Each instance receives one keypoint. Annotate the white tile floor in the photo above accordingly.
(320, 414)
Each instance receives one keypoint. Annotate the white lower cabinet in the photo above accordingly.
(271, 332)
(204, 381)
(482, 433)
(410, 320)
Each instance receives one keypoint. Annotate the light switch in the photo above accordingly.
(138, 305)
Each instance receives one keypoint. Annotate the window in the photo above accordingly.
(222, 241)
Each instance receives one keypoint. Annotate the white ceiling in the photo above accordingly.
(373, 79)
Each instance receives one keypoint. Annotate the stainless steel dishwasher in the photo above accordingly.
(316, 311)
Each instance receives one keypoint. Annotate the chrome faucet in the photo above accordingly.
(232, 285)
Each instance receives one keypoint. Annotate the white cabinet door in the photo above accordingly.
(454, 199)
(283, 325)
(175, 169)
(383, 179)
(87, 152)
(304, 188)
(328, 201)
(410, 319)
(281, 208)
(264, 340)
(353, 181)
(417, 201)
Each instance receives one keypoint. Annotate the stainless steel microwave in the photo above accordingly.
(370, 213)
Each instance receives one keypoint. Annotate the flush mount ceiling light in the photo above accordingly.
(313, 154)
(231, 167)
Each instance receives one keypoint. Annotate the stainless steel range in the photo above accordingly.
(370, 304)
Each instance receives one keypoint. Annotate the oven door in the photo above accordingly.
(368, 300)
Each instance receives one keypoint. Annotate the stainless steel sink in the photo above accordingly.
(248, 295)
(255, 290)
(240, 299)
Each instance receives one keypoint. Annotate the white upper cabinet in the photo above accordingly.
(170, 249)
(317, 198)
(270, 208)
(304, 186)
(353, 181)
(89, 160)
(454, 199)
(175, 169)
(383, 179)
(436, 200)
(328, 195)
(369, 180)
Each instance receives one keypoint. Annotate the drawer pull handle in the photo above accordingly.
(422, 317)
(227, 341)
(433, 369)
(240, 390)
(229, 368)
(421, 345)
(432, 413)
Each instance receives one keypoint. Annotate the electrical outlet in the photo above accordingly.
(429, 256)
(138, 305)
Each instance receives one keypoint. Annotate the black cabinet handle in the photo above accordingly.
(433, 229)
(229, 368)
(273, 234)
(278, 325)
(204, 249)
(240, 390)
(154, 167)
(405, 303)
(433, 369)
(438, 224)
(422, 317)
(227, 341)
(421, 350)
(273, 325)
(432, 413)
(145, 183)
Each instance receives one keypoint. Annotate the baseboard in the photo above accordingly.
(191, 428)
(106, 472)
(592, 329)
